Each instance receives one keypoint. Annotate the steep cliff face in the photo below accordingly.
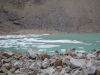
(61, 15)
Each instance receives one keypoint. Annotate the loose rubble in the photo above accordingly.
(70, 62)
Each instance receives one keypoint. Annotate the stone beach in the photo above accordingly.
(69, 62)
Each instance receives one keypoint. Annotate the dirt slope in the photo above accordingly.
(70, 16)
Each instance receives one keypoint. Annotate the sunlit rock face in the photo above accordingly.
(60, 15)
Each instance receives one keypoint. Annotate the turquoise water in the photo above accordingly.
(50, 42)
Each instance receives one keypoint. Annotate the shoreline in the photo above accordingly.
(37, 31)
(32, 62)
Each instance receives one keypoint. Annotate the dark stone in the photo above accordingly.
(16, 22)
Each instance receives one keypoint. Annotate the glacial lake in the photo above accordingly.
(50, 42)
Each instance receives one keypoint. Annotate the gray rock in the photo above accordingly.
(18, 64)
(4, 69)
(8, 53)
(33, 66)
(16, 22)
(91, 70)
(26, 64)
(24, 70)
(65, 71)
(32, 53)
(49, 70)
(76, 72)
(12, 70)
(77, 63)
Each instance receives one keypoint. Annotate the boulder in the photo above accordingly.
(65, 71)
(23, 70)
(66, 61)
(45, 64)
(18, 64)
(76, 72)
(6, 61)
(33, 66)
(89, 56)
(4, 70)
(17, 55)
(49, 70)
(91, 70)
(58, 62)
(77, 63)
(32, 53)
(44, 55)
(17, 71)
(8, 53)
(12, 70)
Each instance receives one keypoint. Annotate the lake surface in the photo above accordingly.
(50, 42)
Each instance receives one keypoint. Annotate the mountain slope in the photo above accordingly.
(71, 16)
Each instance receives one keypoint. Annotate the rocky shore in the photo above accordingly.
(70, 62)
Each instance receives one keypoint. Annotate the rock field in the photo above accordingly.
(70, 62)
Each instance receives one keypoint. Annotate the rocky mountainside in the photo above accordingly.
(70, 16)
